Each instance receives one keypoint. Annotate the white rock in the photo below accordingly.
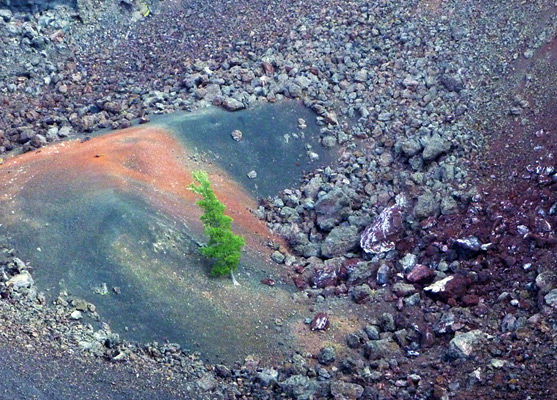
(23, 280)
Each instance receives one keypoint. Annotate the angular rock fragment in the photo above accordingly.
(320, 322)
(462, 345)
(452, 286)
(420, 274)
(378, 237)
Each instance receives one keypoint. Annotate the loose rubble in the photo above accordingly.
(411, 93)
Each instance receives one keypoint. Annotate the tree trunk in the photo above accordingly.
(234, 281)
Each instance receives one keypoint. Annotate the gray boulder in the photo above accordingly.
(340, 240)
(298, 387)
(434, 146)
(332, 208)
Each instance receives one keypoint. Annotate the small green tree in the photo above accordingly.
(224, 245)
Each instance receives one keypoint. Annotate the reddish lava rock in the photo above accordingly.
(325, 277)
(420, 274)
(448, 288)
(268, 282)
(320, 322)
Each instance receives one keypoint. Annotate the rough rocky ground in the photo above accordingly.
(450, 104)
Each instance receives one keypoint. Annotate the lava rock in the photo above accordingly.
(325, 277)
(426, 206)
(327, 355)
(231, 104)
(341, 390)
(434, 146)
(382, 348)
(452, 286)
(420, 274)
(340, 240)
(403, 289)
(453, 83)
(462, 345)
(361, 293)
(267, 377)
(551, 298)
(372, 332)
(298, 387)
(320, 322)
(20, 281)
(383, 274)
(332, 208)
(377, 238)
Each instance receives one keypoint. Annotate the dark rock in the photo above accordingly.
(426, 206)
(268, 281)
(324, 277)
(298, 387)
(403, 289)
(434, 146)
(383, 348)
(222, 371)
(420, 274)
(462, 345)
(361, 293)
(267, 377)
(453, 83)
(383, 274)
(320, 322)
(372, 332)
(387, 322)
(378, 237)
(341, 240)
(332, 208)
(327, 355)
(354, 340)
(452, 286)
(467, 247)
(231, 104)
(341, 390)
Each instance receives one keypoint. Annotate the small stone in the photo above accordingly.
(372, 332)
(277, 257)
(403, 289)
(267, 376)
(382, 348)
(420, 274)
(19, 281)
(408, 262)
(450, 287)
(76, 315)
(382, 274)
(236, 135)
(361, 293)
(346, 391)
(551, 298)
(231, 104)
(320, 322)
(327, 355)
(434, 146)
(206, 383)
(387, 322)
(252, 174)
(462, 345)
